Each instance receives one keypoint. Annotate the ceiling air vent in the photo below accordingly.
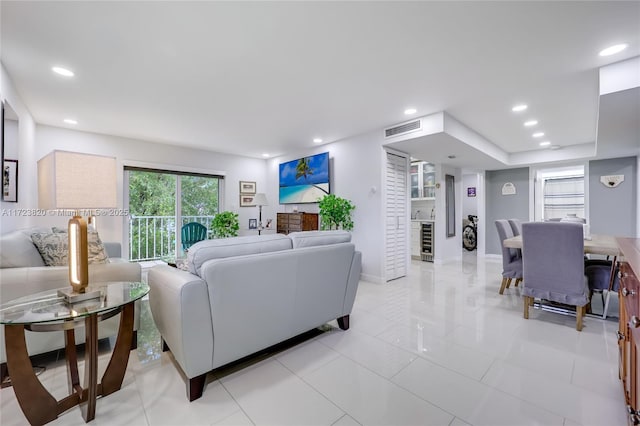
(411, 126)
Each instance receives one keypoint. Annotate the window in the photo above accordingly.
(160, 203)
(560, 193)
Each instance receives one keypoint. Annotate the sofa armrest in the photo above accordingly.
(18, 282)
(352, 283)
(180, 307)
(113, 249)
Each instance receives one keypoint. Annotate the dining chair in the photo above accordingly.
(516, 226)
(553, 265)
(598, 272)
(511, 258)
(191, 233)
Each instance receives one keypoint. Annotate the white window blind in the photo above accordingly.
(563, 196)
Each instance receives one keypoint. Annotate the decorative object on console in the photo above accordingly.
(74, 181)
(335, 213)
(10, 181)
(304, 180)
(225, 224)
(260, 200)
(247, 187)
(253, 223)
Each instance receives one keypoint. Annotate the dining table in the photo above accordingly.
(601, 244)
(596, 244)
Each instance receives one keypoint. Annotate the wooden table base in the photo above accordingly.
(37, 404)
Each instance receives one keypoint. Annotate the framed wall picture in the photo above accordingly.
(253, 223)
(247, 187)
(10, 181)
(246, 200)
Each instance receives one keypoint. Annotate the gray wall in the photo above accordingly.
(613, 210)
(500, 206)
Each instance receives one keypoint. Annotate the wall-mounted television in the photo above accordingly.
(304, 180)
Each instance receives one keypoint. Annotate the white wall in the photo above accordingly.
(23, 153)
(131, 151)
(357, 176)
(469, 204)
(447, 248)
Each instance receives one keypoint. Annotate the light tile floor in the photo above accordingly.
(438, 347)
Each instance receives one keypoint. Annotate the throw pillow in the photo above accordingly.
(53, 248)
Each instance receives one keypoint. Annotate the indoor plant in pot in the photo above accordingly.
(335, 213)
(225, 224)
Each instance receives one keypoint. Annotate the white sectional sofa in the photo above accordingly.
(23, 272)
(244, 294)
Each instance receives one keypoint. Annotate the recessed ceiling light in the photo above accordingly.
(612, 50)
(519, 108)
(530, 123)
(70, 121)
(317, 140)
(265, 155)
(410, 111)
(63, 71)
(545, 143)
(538, 134)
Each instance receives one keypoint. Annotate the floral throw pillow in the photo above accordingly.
(53, 248)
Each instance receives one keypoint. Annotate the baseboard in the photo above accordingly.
(371, 279)
(496, 257)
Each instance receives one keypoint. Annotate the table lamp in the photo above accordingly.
(260, 200)
(75, 181)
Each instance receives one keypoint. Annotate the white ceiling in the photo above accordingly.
(250, 78)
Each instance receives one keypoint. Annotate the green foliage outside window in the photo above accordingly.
(154, 194)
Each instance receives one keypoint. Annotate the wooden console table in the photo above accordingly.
(294, 222)
(46, 311)
(629, 326)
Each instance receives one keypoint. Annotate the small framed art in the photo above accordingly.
(10, 181)
(246, 200)
(253, 223)
(247, 187)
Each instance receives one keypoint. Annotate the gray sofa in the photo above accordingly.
(241, 295)
(23, 272)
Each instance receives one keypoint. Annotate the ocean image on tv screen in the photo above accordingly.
(304, 180)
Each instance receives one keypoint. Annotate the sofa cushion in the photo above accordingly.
(318, 238)
(17, 251)
(53, 248)
(235, 246)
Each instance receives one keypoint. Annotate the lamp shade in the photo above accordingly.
(71, 180)
(260, 199)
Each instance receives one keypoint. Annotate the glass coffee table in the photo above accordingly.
(46, 311)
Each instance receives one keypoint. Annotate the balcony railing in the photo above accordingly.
(154, 237)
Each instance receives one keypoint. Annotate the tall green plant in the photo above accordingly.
(335, 213)
(225, 224)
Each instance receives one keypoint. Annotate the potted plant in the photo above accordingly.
(335, 213)
(225, 224)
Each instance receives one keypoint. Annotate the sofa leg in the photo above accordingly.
(4, 376)
(195, 387)
(165, 348)
(134, 340)
(343, 322)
